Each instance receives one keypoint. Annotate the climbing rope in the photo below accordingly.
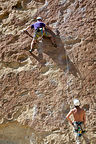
(68, 81)
(67, 63)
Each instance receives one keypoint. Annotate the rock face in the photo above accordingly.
(37, 90)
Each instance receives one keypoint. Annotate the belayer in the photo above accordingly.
(79, 122)
(39, 31)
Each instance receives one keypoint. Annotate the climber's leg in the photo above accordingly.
(35, 37)
(32, 45)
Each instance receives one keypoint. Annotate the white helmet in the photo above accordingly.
(39, 18)
(76, 102)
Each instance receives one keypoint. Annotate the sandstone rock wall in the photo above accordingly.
(37, 90)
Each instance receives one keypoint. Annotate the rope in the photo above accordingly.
(68, 81)
(67, 63)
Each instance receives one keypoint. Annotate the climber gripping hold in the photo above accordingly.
(78, 123)
(39, 31)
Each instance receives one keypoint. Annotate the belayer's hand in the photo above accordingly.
(72, 123)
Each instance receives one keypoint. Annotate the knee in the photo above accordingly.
(33, 41)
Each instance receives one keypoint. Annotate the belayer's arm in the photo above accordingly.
(68, 116)
(84, 119)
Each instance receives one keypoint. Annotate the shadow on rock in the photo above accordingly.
(58, 54)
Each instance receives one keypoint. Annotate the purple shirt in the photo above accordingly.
(38, 24)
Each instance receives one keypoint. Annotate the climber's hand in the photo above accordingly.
(25, 30)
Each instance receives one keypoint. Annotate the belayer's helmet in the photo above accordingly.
(39, 18)
(76, 102)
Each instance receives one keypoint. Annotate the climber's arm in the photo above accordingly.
(29, 27)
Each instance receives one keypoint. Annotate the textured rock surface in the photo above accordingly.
(38, 91)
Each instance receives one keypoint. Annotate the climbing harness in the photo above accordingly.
(38, 32)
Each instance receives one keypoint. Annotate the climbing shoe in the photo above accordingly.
(31, 50)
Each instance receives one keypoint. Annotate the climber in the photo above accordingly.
(40, 31)
(79, 122)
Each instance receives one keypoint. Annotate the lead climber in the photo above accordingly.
(79, 122)
(39, 31)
